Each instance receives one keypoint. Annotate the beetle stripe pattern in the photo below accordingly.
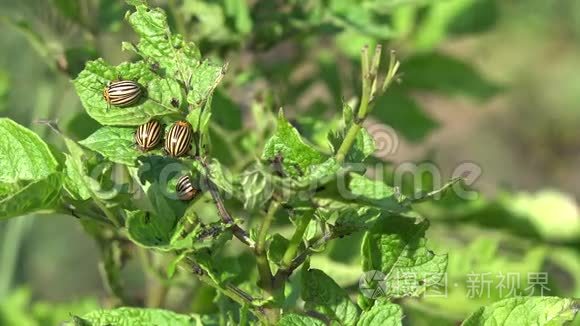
(148, 135)
(178, 139)
(122, 93)
(184, 189)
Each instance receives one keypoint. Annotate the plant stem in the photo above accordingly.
(263, 264)
(296, 240)
(347, 143)
(361, 113)
(369, 93)
(284, 273)
(13, 234)
(231, 291)
(118, 222)
(227, 219)
(156, 289)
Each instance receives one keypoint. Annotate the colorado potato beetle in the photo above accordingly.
(122, 93)
(178, 139)
(184, 189)
(148, 135)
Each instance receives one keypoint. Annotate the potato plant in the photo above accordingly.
(227, 237)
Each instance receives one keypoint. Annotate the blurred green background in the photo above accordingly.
(494, 83)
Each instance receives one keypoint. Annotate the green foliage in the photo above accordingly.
(322, 294)
(30, 180)
(381, 313)
(287, 146)
(136, 316)
(447, 75)
(396, 247)
(157, 102)
(18, 309)
(364, 144)
(114, 143)
(525, 311)
(288, 188)
(30, 158)
(297, 320)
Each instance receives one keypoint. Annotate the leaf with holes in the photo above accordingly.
(155, 101)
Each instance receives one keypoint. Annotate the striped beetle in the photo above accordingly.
(178, 139)
(122, 93)
(184, 189)
(148, 135)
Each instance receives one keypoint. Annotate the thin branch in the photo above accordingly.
(369, 93)
(229, 290)
(263, 264)
(284, 273)
(296, 240)
(227, 219)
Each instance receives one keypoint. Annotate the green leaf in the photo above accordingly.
(525, 311)
(180, 60)
(353, 220)
(162, 217)
(256, 186)
(396, 247)
(204, 80)
(218, 268)
(152, 230)
(30, 196)
(359, 19)
(292, 319)
(199, 119)
(374, 192)
(322, 294)
(277, 248)
(479, 16)
(345, 274)
(74, 182)
(126, 316)
(533, 208)
(382, 313)
(398, 110)
(315, 177)
(30, 178)
(286, 142)
(25, 155)
(441, 73)
(115, 143)
(87, 175)
(156, 100)
(158, 44)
